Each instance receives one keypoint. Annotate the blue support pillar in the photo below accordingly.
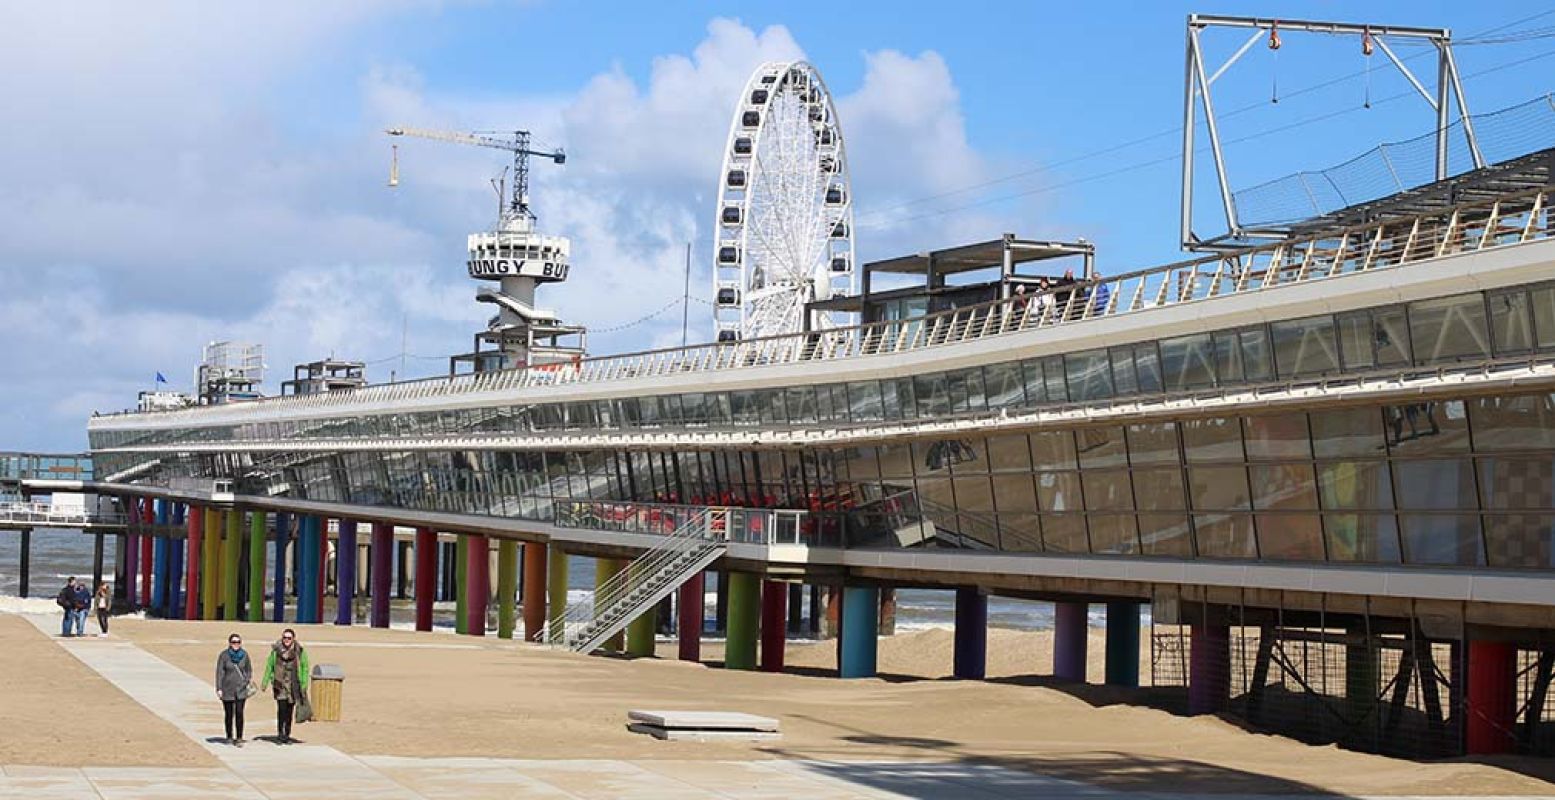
(860, 631)
(971, 654)
(307, 570)
(159, 552)
(1123, 644)
(345, 572)
(283, 532)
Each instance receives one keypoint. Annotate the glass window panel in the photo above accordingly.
(1449, 329)
(1090, 375)
(1543, 301)
(1520, 540)
(1347, 432)
(1020, 533)
(1036, 386)
(896, 460)
(1113, 534)
(1370, 538)
(1123, 378)
(1152, 443)
(1228, 358)
(1166, 535)
(1216, 488)
(1437, 483)
(1159, 489)
(1148, 366)
(744, 407)
(1519, 422)
(773, 410)
(801, 404)
(1009, 452)
(1511, 328)
(1390, 335)
(974, 496)
(1213, 439)
(1225, 535)
(1006, 389)
(1518, 484)
(1108, 491)
(863, 401)
(945, 453)
(1101, 447)
(976, 392)
(669, 409)
(693, 408)
(1277, 437)
(1064, 533)
(1355, 485)
(1014, 493)
(1059, 491)
(1283, 487)
(1452, 539)
(936, 501)
(1187, 362)
(1052, 450)
(1433, 426)
(968, 456)
(896, 398)
(1304, 346)
(1053, 375)
(1290, 537)
(1355, 341)
(1257, 362)
(933, 395)
(955, 388)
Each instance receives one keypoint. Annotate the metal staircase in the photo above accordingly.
(695, 544)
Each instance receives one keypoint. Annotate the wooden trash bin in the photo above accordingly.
(324, 691)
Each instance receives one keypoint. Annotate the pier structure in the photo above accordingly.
(1323, 464)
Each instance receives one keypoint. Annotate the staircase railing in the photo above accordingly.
(584, 625)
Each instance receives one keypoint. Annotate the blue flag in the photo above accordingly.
(161, 379)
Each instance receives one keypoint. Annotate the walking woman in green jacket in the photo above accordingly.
(287, 671)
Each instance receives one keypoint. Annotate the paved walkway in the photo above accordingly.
(262, 770)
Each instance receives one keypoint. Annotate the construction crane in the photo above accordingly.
(516, 143)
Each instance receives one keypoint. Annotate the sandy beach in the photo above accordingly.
(427, 695)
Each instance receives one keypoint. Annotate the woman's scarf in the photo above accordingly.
(237, 655)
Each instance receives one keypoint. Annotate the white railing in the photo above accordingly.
(44, 514)
(1511, 219)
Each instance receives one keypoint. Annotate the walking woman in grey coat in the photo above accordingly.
(234, 683)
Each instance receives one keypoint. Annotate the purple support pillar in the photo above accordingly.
(345, 573)
(1070, 637)
(971, 647)
(688, 604)
(383, 562)
(1209, 668)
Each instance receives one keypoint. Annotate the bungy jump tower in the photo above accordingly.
(1321, 450)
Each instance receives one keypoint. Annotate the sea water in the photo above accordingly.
(60, 554)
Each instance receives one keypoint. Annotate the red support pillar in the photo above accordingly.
(426, 577)
(536, 557)
(1492, 695)
(148, 514)
(774, 628)
(196, 522)
(689, 601)
(477, 584)
(382, 545)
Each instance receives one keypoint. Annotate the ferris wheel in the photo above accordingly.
(785, 209)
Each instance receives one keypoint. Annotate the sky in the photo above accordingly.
(175, 173)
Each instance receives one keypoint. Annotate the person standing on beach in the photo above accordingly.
(287, 672)
(102, 602)
(81, 602)
(234, 682)
(66, 600)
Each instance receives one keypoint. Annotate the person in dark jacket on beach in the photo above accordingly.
(66, 600)
(234, 682)
(81, 602)
(286, 670)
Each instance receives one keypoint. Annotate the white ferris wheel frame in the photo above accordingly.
(777, 306)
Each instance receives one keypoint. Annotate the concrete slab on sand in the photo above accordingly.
(702, 725)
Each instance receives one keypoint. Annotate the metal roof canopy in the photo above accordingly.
(1006, 251)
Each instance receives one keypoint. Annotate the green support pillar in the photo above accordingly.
(231, 559)
(211, 564)
(555, 582)
(1122, 658)
(256, 566)
(604, 570)
(640, 633)
(744, 620)
(507, 586)
(460, 577)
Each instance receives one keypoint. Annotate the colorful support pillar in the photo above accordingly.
(1492, 698)
(461, 582)
(689, 601)
(860, 635)
(159, 559)
(402, 569)
(604, 570)
(147, 551)
(507, 588)
(1209, 668)
(555, 583)
(99, 557)
(196, 548)
(284, 523)
(210, 564)
(1070, 638)
(536, 563)
(345, 573)
(477, 583)
(970, 659)
(130, 566)
(256, 566)
(774, 627)
(307, 573)
(426, 576)
(1122, 665)
(382, 571)
(744, 619)
(231, 561)
(175, 565)
(321, 566)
